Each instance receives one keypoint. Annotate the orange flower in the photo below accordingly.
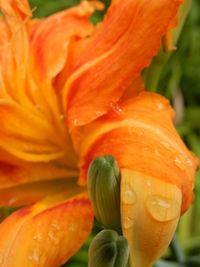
(61, 71)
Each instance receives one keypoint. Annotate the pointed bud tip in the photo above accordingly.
(104, 190)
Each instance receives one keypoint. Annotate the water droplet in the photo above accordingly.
(55, 225)
(189, 162)
(158, 132)
(34, 257)
(37, 236)
(75, 121)
(12, 201)
(72, 227)
(128, 196)
(178, 162)
(162, 209)
(51, 235)
(116, 108)
(165, 144)
(149, 183)
(127, 222)
(160, 106)
(62, 117)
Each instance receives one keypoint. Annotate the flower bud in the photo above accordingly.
(150, 210)
(104, 190)
(108, 249)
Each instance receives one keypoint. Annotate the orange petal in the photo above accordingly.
(140, 135)
(50, 38)
(14, 49)
(35, 140)
(135, 88)
(23, 6)
(29, 193)
(53, 231)
(114, 57)
(15, 172)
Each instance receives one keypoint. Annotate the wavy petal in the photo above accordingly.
(141, 136)
(53, 231)
(14, 48)
(114, 57)
(50, 38)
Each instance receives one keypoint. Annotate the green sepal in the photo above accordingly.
(104, 190)
(108, 249)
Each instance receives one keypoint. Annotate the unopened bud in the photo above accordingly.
(104, 190)
(150, 210)
(108, 249)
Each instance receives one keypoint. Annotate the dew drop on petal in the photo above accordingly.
(72, 227)
(51, 235)
(160, 106)
(165, 144)
(75, 122)
(37, 236)
(162, 209)
(178, 162)
(12, 201)
(158, 132)
(189, 162)
(116, 108)
(34, 256)
(62, 117)
(55, 225)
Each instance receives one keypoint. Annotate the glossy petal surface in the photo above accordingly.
(115, 56)
(53, 232)
(140, 135)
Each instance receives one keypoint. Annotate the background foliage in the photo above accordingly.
(180, 82)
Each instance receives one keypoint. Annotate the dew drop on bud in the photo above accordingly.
(162, 209)
(128, 196)
(127, 222)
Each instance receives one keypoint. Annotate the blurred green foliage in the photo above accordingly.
(180, 80)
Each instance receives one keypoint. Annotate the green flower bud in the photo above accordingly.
(108, 249)
(104, 190)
